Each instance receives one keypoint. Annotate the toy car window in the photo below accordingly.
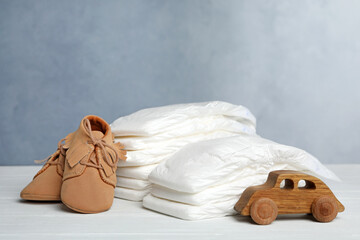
(306, 184)
(287, 184)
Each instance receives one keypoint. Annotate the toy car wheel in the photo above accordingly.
(263, 211)
(324, 209)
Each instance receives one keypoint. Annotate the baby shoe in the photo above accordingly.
(90, 167)
(46, 184)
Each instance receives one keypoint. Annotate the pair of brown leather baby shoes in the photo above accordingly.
(82, 171)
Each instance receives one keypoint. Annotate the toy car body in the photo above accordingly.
(281, 194)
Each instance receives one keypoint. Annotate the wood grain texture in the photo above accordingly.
(263, 211)
(324, 209)
(289, 198)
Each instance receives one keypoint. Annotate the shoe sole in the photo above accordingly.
(83, 211)
(36, 197)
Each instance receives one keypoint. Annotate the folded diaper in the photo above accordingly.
(141, 143)
(132, 183)
(193, 127)
(183, 119)
(160, 152)
(147, 156)
(205, 179)
(140, 172)
(212, 194)
(190, 212)
(130, 194)
(204, 164)
(153, 135)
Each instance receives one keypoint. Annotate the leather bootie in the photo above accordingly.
(46, 184)
(90, 167)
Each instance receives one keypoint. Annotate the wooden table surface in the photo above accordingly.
(129, 220)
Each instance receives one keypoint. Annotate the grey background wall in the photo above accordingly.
(294, 64)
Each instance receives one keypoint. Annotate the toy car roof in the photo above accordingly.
(278, 173)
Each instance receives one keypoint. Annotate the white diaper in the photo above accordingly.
(132, 183)
(130, 194)
(226, 191)
(141, 172)
(206, 179)
(212, 194)
(147, 156)
(140, 143)
(189, 212)
(182, 119)
(201, 165)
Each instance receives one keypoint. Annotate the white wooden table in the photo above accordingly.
(128, 220)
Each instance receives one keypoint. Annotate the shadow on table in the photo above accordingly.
(289, 217)
(56, 204)
(282, 217)
(31, 202)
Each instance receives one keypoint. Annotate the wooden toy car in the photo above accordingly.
(282, 194)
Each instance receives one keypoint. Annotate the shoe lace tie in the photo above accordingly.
(101, 144)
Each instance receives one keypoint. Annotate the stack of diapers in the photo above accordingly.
(206, 179)
(153, 135)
